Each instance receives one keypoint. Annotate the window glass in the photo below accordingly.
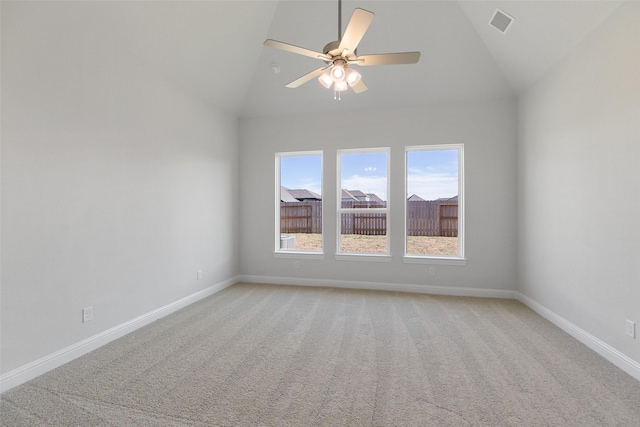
(434, 200)
(299, 202)
(362, 206)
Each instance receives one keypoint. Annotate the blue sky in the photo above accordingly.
(366, 172)
(432, 174)
(301, 172)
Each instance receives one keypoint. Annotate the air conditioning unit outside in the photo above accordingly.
(288, 242)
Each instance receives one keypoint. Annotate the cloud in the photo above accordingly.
(370, 169)
(432, 186)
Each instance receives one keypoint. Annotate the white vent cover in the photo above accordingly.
(501, 21)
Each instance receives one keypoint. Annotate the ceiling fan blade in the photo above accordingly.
(295, 49)
(359, 87)
(360, 21)
(309, 76)
(388, 59)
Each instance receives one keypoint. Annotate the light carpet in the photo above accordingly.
(263, 355)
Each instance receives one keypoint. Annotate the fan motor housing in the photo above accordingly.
(332, 50)
(332, 46)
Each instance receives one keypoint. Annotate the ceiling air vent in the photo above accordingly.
(501, 21)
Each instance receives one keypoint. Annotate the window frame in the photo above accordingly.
(458, 259)
(362, 256)
(278, 251)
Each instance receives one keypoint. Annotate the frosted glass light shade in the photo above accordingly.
(352, 77)
(340, 86)
(337, 73)
(325, 79)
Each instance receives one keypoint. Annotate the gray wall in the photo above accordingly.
(116, 186)
(579, 184)
(488, 130)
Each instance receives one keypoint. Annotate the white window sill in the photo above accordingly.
(298, 254)
(407, 259)
(363, 257)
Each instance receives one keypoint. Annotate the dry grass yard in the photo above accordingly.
(418, 245)
(432, 245)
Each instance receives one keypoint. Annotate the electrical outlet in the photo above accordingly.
(296, 264)
(630, 329)
(87, 314)
(199, 274)
(432, 271)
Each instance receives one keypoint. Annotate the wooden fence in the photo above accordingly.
(301, 217)
(424, 218)
(365, 223)
(370, 224)
(435, 218)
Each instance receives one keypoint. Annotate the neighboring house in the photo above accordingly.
(416, 198)
(303, 195)
(348, 197)
(285, 195)
(359, 196)
(374, 198)
(453, 199)
(298, 195)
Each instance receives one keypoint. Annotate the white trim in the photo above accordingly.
(408, 259)
(614, 356)
(378, 286)
(278, 188)
(47, 363)
(299, 255)
(345, 256)
(461, 202)
(278, 200)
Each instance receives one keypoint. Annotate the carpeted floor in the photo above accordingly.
(293, 356)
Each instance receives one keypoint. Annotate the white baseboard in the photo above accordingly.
(36, 368)
(378, 286)
(614, 356)
(45, 364)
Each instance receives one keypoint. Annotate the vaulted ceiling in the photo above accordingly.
(214, 48)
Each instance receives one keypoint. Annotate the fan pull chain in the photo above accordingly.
(336, 96)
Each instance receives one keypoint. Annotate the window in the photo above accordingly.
(363, 213)
(299, 202)
(434, 221)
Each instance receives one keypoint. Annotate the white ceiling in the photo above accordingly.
(214, 48)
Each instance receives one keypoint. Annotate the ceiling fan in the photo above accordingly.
(340, 55)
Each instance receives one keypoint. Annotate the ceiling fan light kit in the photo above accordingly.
(340, 75)
(337, 70)
(340, 55)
